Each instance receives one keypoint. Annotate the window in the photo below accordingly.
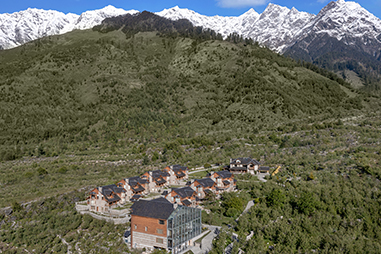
(161, 222)
(159, 240)
(135, 226)
(159, 231)
(145, 229)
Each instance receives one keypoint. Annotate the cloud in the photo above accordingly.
(241, 3)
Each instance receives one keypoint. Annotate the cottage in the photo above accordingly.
(184, 196)
(203, 186)
(101, 199)
(160, 224)
(134, 186)
(243, 165)
(157, 179)
(224, 180)
(179, 173)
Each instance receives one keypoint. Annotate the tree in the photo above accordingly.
(232, 204)
(307, 203)
(275, 198)
(16, 206)
(145, 160)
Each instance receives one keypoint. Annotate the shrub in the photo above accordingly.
(62, 170)
(207, 165)
(41, 171)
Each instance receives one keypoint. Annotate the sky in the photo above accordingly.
(206, 7)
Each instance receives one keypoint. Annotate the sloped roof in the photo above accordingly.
(112, 199)
(109, 192)
(206, 182)
(160, 180)
(224, 174)
(135, 197)
(226, 182)
(238, 168)
(138, 188)
(119, 190)
(132, 181)
(179, 174)
(184, 192)
(178, 167)
(186, 202)
(159, 208)
(264, 168)
(245, 161)
(159, 173)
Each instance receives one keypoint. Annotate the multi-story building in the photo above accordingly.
(224, 180)
(134, 186)
(243, 165)
(101, 199)
(183, 196)
(160, 224)
(177, 173)
(203, 186)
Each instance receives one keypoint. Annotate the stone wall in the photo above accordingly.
(115, 216)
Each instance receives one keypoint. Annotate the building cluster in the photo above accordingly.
(198, 189)
(170, 222)
(102, 199)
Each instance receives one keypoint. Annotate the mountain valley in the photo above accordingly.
(140, 92)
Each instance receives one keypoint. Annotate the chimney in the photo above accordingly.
(175, 206)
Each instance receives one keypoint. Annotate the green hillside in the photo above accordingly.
(107, 86)
(90, 108)
(331, 54)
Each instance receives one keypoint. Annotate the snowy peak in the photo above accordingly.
(277, 27)
(90, 19)
(346, 20)
(20, 27)
(222, 25)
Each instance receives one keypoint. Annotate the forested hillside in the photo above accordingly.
(110, 85)
(332, 54)
(89, 108)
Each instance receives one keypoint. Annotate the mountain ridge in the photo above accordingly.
(300, 35)
(31, 24)
(277, 27)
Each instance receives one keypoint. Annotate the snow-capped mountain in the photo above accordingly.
(347, 22)
(277, 27)
(220, 24)
(20, 27)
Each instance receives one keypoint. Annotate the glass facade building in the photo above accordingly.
(183, 225)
